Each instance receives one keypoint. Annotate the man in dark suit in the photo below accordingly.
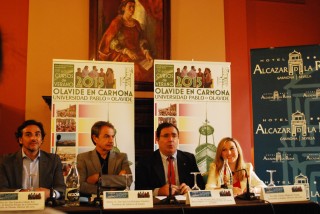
(153, 172)
(16, 169)
(103, 161)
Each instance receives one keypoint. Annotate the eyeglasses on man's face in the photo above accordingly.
(172, 135)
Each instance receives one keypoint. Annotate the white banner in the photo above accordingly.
(84, 92)
(195, 96)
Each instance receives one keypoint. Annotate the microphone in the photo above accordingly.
(52, 201)
(170, 199)
(246, 195)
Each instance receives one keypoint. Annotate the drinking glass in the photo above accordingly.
(195, 187)
(30, 182)
(271, 183)
(127, 181)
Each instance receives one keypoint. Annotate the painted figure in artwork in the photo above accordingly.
(126, 41)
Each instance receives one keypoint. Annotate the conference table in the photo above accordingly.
(241, 206)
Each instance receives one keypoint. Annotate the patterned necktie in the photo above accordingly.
(171, 174)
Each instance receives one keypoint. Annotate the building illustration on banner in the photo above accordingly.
(298, 124)
(295, 63)
(275, 95)
(223, 80)
(126, 79)
(283, 157)
(205, 152)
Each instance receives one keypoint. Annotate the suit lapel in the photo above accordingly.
(95, 161)
(111, 163)
(158, 167)
(17, 163)
(44, 166)
(181, 166)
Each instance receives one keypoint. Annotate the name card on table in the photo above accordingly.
(13, 201)
(283, 193)
(127, 199)
(210, 197)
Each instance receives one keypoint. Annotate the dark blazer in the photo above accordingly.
(88, 163)
(50, 172)
(150, 172)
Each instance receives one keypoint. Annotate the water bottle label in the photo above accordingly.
(73, 194)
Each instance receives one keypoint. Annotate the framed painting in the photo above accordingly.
(131, 31)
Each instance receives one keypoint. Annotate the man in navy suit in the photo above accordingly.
(152, 172)
(44, 168)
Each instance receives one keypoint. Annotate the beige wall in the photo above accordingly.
(197, 30)
(59, 29)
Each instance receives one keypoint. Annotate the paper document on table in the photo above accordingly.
(210, 197)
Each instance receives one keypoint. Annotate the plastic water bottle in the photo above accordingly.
(73, 187)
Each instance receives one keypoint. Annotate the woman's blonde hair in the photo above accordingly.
(240, 164)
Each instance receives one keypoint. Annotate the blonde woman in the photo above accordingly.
(229, 149)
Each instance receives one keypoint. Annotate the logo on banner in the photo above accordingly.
(298, 131)
(278, 157)
(296, 67)
(298, 125)
(279, 96)
(275, 96)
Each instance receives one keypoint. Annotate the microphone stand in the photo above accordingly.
(97, 201)
(170, 199)
(52, 201)
(246, 195)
